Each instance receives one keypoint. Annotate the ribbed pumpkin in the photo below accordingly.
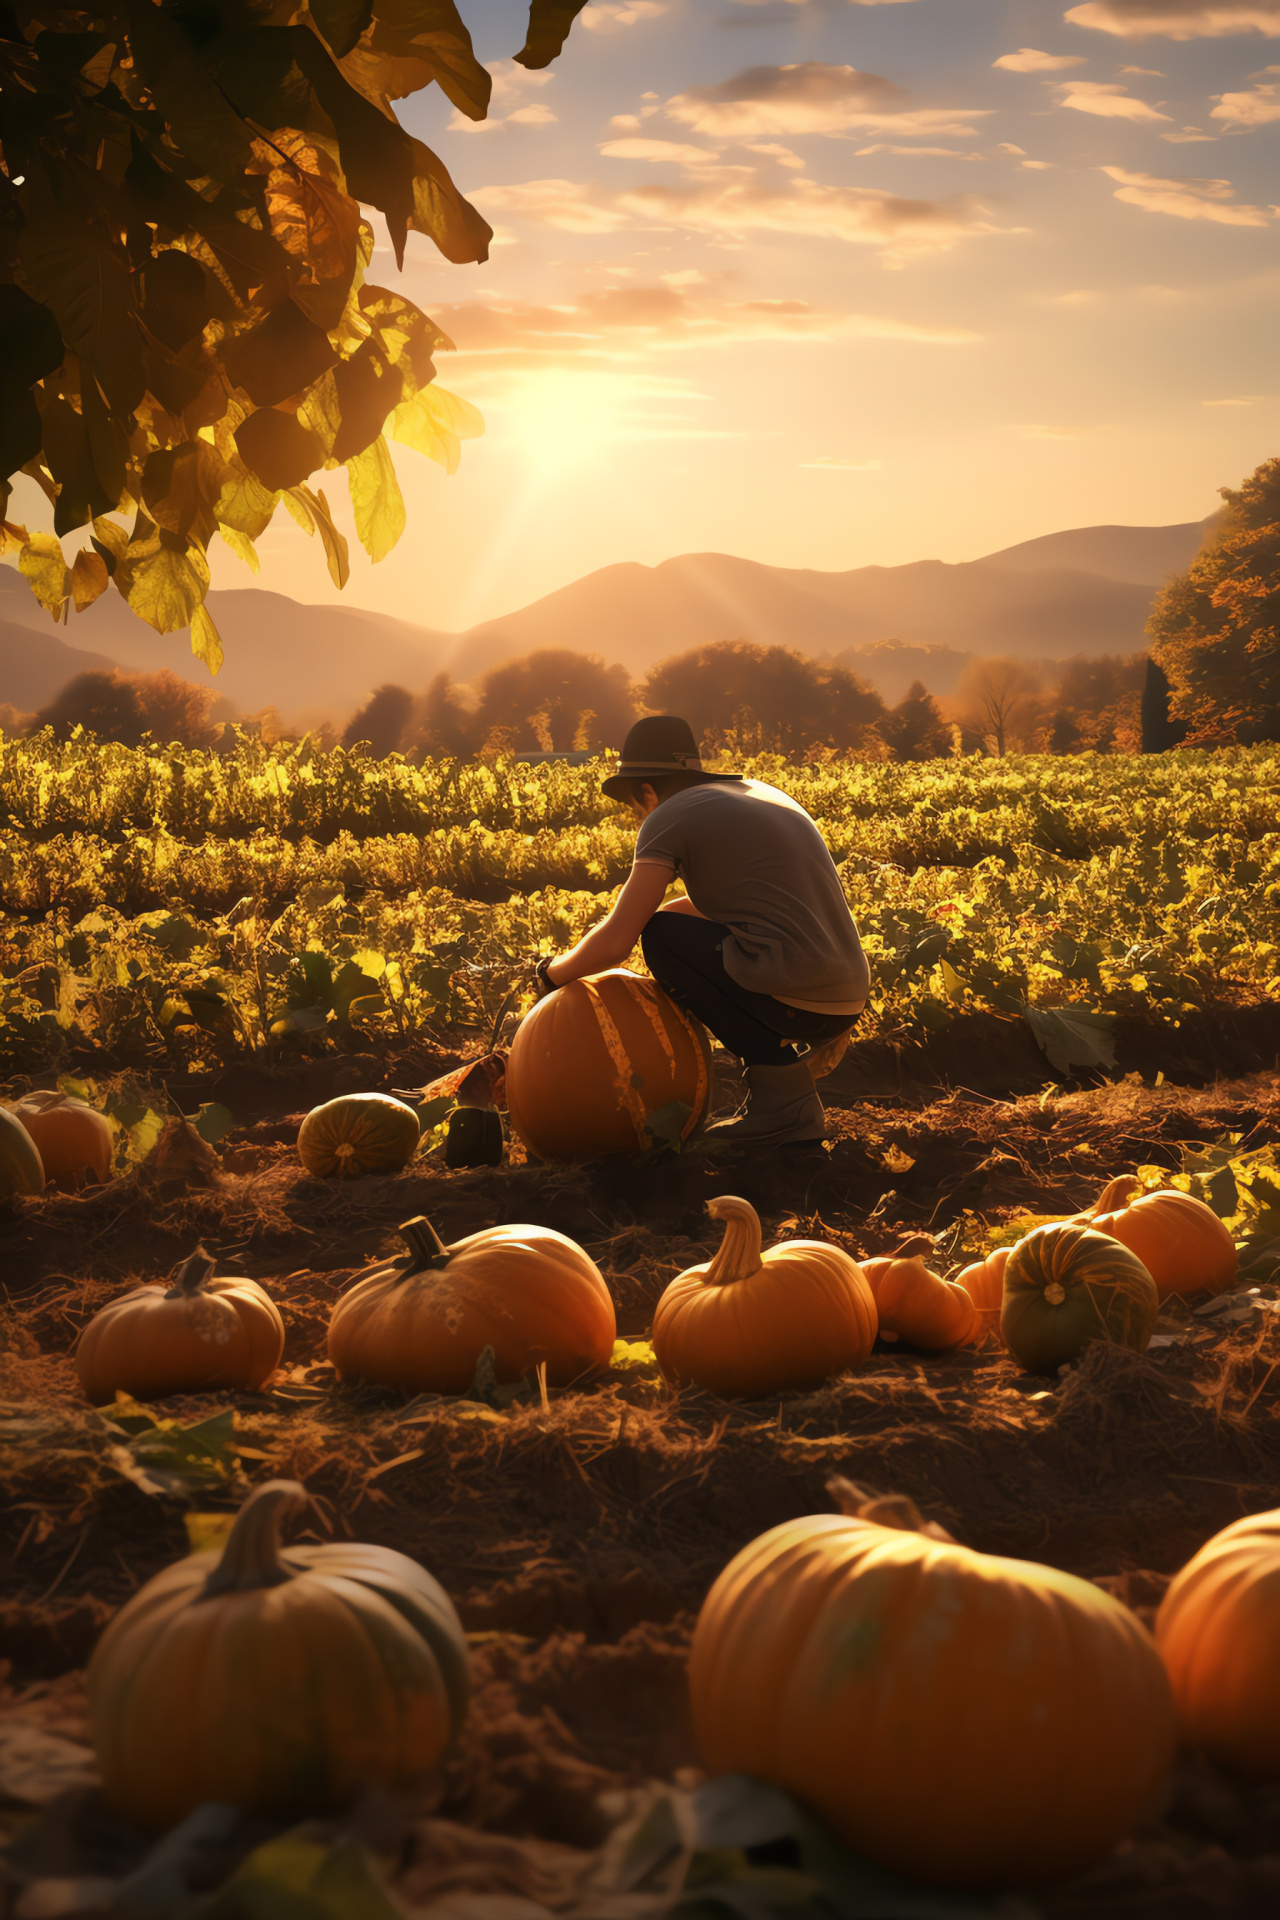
(1217, 1634)
(358, 1133)
(282, 1682)
(968, 1721)
(917, 1306)
(984, 1284)
(21, 1168)
(1065, 1285)
(749, 1323)
(1179, 1240)
(593, 1060)
(193, 1335)
(423, 1321)
(74, 1142)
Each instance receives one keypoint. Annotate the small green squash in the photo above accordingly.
(21, 1168)
(1065, 1285)
(358, 1133)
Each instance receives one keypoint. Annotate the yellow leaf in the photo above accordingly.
(12, 538)
(376, 500)
(205, 642)
(208, 1530)
(111, 535)
(335, 546)
(299, 506)
(241, 545)
(244, 503)
(434, 422)
(46, 572)
(89, 578)
(164, 584)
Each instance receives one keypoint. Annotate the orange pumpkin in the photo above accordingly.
(281, 1682)
(748, 1323)
(75, 1142)
(968, 1721)
(196, 1334)
(423, 1321)
(917, 1306)
(593, 1061)
(1216, 1631)
(1179, 1240)
(21, 1168)
(984, 1284)
(358, 1133)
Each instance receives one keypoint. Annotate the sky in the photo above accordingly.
(830, 283)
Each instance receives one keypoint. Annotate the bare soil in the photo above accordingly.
(579, 1539)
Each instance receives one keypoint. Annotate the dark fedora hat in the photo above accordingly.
(659, 744)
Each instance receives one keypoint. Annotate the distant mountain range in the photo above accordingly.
(1085, 591)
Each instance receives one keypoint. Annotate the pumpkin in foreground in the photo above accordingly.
(74, 1142)
(1179, 1240)
(194, 1334)
(358, 1133)
(983, 1281)
(281, 1681)
(21, 1168)
(422, 1321)
(1218, 1631)
(749, 1322)
(917, 1306)
(592, 1061)
(1065, 1285)
(967, 1721)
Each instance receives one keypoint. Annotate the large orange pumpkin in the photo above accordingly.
(193, 1335)
(1179, 1240)
(282, 1682)
(75, 1142)
(21, 1168)
(358, 1133)
(983, 1281)
(748, 1323)
(1217, 1633)
(968, 1721)
(592, 1061)
(423, 1321)
(918, 1306)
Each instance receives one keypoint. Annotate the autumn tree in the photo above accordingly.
(441, 724)
(915, 729)
(187, 332)
(381, 723)
(1215, 630)
(555, 700)
(995, 700)
(770, 698)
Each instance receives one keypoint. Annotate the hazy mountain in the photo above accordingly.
(34, 666)
(1085, 591)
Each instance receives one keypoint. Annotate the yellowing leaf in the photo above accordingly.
(43, 567)
(205, 641)
(163, 584)
(89, 578)
(435, 422)
(241, 545)
(111, 535)
(376, 500)
(208, 1530)
(12, 538)
(244, 503)
(335, 546)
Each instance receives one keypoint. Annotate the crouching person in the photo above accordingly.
(762, 949)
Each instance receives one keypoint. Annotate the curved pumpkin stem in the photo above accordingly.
(188, 1278)
(1116, 1194)
(251, 1557)
(426, 1248)
(739, 1253)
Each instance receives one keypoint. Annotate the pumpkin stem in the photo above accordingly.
(251, 1557)
(426, 1248)
(1116, 1195)
(739, 1253)
(190, 1276)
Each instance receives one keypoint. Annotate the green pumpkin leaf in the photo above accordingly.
(1073, 1036)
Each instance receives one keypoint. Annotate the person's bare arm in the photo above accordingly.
(610, 942)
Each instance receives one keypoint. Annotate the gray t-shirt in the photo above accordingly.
(751, 857)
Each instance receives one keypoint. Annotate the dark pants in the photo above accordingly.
(685, 956)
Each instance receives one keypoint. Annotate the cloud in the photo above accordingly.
(1256, 109)
(772, 151)
(1108, 101)
(657, 150)
(509, 101)
(810, 97)
(1239, 400)
(1178, 19)
(1186, 199)
(725, 203)
(620, 13)
(1031, 60)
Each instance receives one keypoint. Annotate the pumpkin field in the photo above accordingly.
(1012, 1330)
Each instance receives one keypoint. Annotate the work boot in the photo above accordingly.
(782, 1105)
